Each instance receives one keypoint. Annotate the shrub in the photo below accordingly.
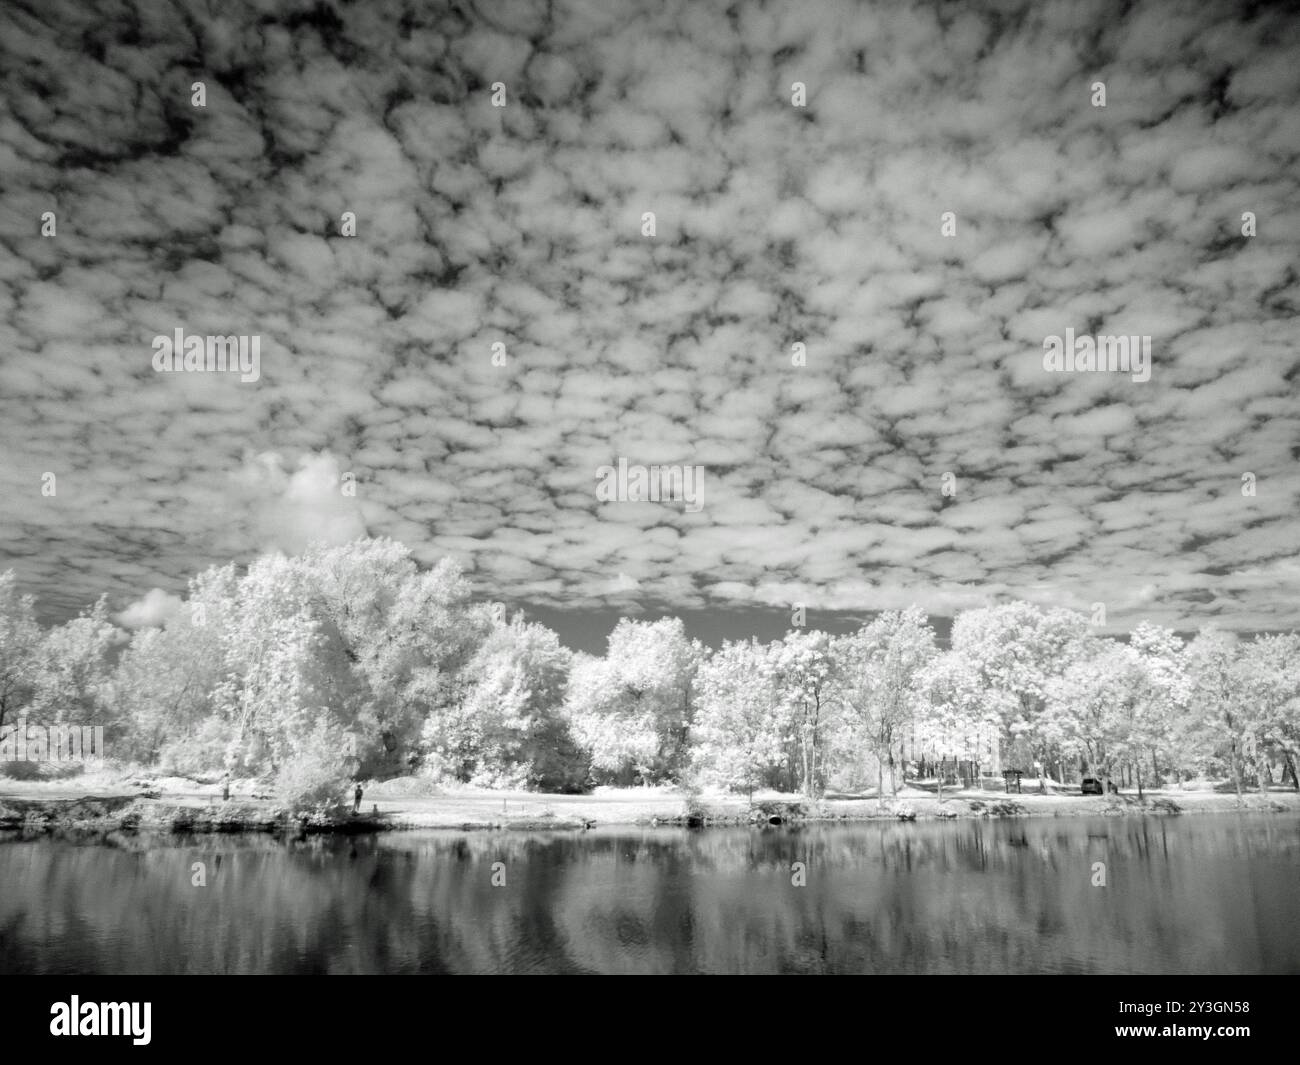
(20, 770)
(317, 773)
(204, 751)
(558, 763)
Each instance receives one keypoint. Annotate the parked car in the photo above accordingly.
(1092, 786)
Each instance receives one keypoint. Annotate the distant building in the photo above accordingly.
(955, 754)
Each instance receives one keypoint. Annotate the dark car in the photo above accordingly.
(1092, 786)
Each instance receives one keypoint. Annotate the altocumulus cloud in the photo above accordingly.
(776, 225)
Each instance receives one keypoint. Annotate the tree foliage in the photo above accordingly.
(354, 661)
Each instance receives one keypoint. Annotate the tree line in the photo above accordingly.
(353, 662)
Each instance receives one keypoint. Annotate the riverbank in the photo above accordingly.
(104, 803)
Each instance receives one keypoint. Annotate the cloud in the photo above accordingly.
(624, 583)
(152, 610)
(293, 509)
(520, 226)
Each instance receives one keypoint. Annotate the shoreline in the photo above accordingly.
(48, 808)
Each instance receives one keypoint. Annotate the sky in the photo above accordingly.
(915, 449)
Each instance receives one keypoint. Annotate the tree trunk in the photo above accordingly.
(880, 782)
(1291, 766)
(813, 788)
(1236, 770)
(1139, 778)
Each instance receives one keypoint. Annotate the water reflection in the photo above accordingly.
(1207, 894)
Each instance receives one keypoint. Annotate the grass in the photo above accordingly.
(413, 802)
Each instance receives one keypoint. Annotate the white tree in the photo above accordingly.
(633, 708)
(882, 680)
(740, 729)
(20, 641)
(509, 731)
(1017, 649)
(73, 669)
(1268, 676)
(958, 718)
(161, 689)
(807, 669)
(1162, 695)
(1080, 712)
(1216, 695)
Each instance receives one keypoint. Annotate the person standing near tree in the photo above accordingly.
(356, 800)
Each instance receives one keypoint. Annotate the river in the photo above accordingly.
(1198, 894)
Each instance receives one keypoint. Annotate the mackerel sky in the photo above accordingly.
(775, 225)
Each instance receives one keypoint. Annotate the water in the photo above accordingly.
(1204, 894)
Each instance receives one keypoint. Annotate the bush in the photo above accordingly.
(558, 763)
(20, 770)
(318, 773)
(503, 778)
(27, 770)
(202, 752)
